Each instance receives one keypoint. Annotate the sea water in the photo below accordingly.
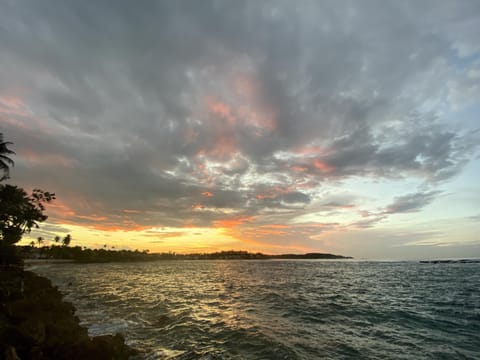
(280, 309)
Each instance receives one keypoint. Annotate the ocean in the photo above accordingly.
(288, 309)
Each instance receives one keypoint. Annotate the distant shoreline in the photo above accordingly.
(46, 261)
(58, 254)
(450, 261)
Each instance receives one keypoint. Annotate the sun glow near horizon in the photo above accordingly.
(272, 127)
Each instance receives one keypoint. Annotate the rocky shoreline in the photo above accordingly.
(36, 323)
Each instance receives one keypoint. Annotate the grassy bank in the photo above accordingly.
(36, 323)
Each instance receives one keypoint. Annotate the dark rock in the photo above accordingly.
(11, 353)
(112, 346)
(31, 330)
(35, 323)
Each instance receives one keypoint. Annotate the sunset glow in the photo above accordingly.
(272, 129)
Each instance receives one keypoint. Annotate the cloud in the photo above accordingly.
(465, 90)
(206, 113)
(411, 202)
(408, 203)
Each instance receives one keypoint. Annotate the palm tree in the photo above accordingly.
(5, 161)
(66, 240)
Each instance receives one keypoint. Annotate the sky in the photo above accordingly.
(348, 127)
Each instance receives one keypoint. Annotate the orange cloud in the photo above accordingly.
(298, 168)
(230, 223)
(202, 171)
(36, 158)
(310, 155)
(346, 206)
(276, 226)
(280, 234)
(248, 108)
(262, 196)
(265, 232)
(166, 234)
(322, 166)
(256, 112)
(221, 109)
(309, 150)
(207, 194)
(12, 105)
(85, 214)
(306, 185)
(197, 206)
(15, 112)
(274, 191)
(127, 226)
(61, 210)
(131, 211)
(92, 217)
(201, 168)
(253, 237)
(224, 147)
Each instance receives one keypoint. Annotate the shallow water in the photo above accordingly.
(280, 309)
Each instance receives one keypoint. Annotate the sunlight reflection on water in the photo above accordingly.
(280, 309)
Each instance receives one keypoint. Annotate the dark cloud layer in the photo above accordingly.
(174, 113)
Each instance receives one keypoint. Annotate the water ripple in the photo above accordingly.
(280, 309)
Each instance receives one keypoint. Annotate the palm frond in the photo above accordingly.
(5, 161)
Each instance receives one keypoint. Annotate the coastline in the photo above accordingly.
(76, 254)
(36, 323)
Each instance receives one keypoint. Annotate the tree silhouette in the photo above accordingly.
(66, 240)
(40, 241)
(20, 212)
(5, 161)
